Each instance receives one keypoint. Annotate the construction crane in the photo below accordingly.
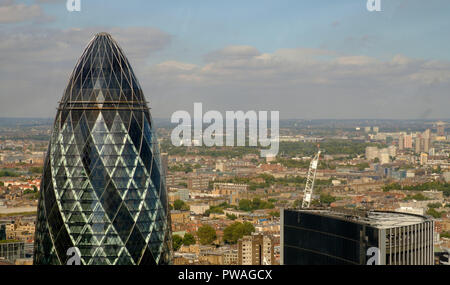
(309, 187)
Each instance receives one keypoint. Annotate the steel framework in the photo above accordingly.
(307, 193)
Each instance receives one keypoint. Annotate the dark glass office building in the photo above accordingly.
(103, 188)
(345, 237)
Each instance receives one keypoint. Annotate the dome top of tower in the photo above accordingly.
(103, 34)
(103, 75)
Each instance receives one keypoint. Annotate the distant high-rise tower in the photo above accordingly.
(423, 142)
(103, 190)
(401, 142)
(440, 126)
(408, 141)
(418, 144)
(426, 136)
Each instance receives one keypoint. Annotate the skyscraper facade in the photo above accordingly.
(103, 188)
(408, 141)
(423, 142)
(353, 237)
(401, 142)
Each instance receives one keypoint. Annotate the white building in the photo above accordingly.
(199, 209)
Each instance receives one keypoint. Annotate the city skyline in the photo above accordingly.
(306, 60)
(225, 133)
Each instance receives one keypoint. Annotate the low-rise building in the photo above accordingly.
(180, 217)
(199, 209)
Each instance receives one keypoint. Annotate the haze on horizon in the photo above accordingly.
(332, 60)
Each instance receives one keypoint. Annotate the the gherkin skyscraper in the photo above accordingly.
(103, 190)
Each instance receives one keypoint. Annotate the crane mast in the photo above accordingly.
(307, 193)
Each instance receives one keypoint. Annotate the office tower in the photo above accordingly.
(418, 144)
(255, 249)
(102, 189)
(423, 142)
(440, 127)
(376, 130)
(326, 237)
(426, 141)
(408, 141)
(401, 142)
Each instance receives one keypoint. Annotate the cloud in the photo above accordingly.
(35, 63)
(232, 53)
(302, 83)
(10, 12)
(51, 1)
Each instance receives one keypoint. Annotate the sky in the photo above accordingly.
(323, 59)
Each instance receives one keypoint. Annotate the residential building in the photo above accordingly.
(256, 249)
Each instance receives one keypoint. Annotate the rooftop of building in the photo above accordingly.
(376, 219)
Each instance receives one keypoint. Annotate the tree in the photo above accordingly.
(8, 173)
(362, 166)
(255, 204)
(180, 205)
(275, 214)
(177, 241)
(232, 217)
(206, 234)
(189, 239)
(435, 214)
(437, 170)
(327, 199)
(419, 197)
(237, 230)
(37, 170)
(297, 203)
(245, 205)
(434, 205)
